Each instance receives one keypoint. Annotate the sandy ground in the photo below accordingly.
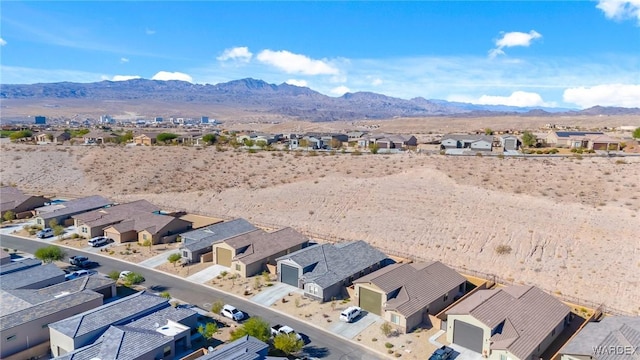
(571, 224)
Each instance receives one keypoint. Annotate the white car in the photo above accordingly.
(98, 241)
(80, 273)
(232, 313)
(351, 313)
(124, 274)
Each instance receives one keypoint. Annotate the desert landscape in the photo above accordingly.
(568, 224)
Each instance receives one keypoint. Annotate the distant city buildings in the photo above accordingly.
(204, 120)
(40, 120)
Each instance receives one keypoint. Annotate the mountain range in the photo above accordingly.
(284, 99)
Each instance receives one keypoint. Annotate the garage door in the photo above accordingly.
(467, 335)
(289, 275)
(223, 257)
(370, 301)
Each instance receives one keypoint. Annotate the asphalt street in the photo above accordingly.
(321, 344)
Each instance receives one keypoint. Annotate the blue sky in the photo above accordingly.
(526, 53)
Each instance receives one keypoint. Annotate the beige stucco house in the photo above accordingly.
(157, 228)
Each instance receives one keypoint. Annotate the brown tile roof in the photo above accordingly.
(11, 197)
(258, 245)
(116, 214)
(152, 223)
(527, 314)
(419, 284)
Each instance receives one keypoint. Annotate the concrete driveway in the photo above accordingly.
(207, 274)
(351, 330)
(274, 293)
(158, 259)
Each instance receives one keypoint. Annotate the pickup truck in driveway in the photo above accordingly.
(283, 329)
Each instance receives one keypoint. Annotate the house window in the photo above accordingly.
(237, 267)
(83, 229)
(185, 254)
(144, 236)
(446, 296)
(313, 289)
(12, 337)
(503, 357)
(395, 319)
(167, 351)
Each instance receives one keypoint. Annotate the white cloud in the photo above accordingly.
(512, 39)
(125, 77)
(340, 90)
(166, 75)
(150, 32)
(517, 98)
(240, 54)
(376, 82)
(123, 60)
(620, 9)
(301, 83)
(295, 63)
(625, 95)
(2, 42)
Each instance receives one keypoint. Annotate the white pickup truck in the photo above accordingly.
(283, 329)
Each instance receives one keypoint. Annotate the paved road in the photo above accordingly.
(322, 344)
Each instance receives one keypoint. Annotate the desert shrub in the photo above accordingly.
(503, 249)
(388, 345)
(216, 307)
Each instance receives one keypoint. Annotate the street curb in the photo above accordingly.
(210, 287)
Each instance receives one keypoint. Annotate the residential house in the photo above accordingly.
(293, 142)
(366, 141)
(406, 294)
(145, 139)
(154, 227)
(14, 200)
(98, 137)
(355, 135)
(244, 348)
(614, 337)
(324, 270)
(464, 141)
(516, 322)
(5, 258)
(62, 212)
(32, 277)
(13, 266)
(334, 141)
(26, 313)
(248, 254)
(570, 139)
(314, 143)
(57, 137)
(139, 326)
(510, 142)
(199, 242)
(603, 142)
(93, 223)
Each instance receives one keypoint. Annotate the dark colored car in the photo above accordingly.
(442, 353)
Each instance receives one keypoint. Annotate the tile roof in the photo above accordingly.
(72, 207)
(37, 311)
(420, 284)
(125, 309)
(11, 197)
(527, 314)
(609, 333)
(28, 277)
(332, 263)
(468, 137)
(202, 238)
(36, 296)
(19, 265)
(258, 245)
(115, 214)
(245, 348)
(153, 223)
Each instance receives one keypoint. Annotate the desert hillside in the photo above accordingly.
(572, 224)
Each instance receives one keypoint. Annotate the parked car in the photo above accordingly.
(99, 241)
(283, 329)
(232, 313)
(88, 264)
(351, 313)
(44, 233)
(443, 353)
(76, 274)
(124, 274)
(77, 260)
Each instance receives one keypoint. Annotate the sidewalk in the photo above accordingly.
(207, 274)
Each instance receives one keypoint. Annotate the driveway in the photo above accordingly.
(159, 259)
(351, 330)
(460, 353)
(274, 293)
(207, 274)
